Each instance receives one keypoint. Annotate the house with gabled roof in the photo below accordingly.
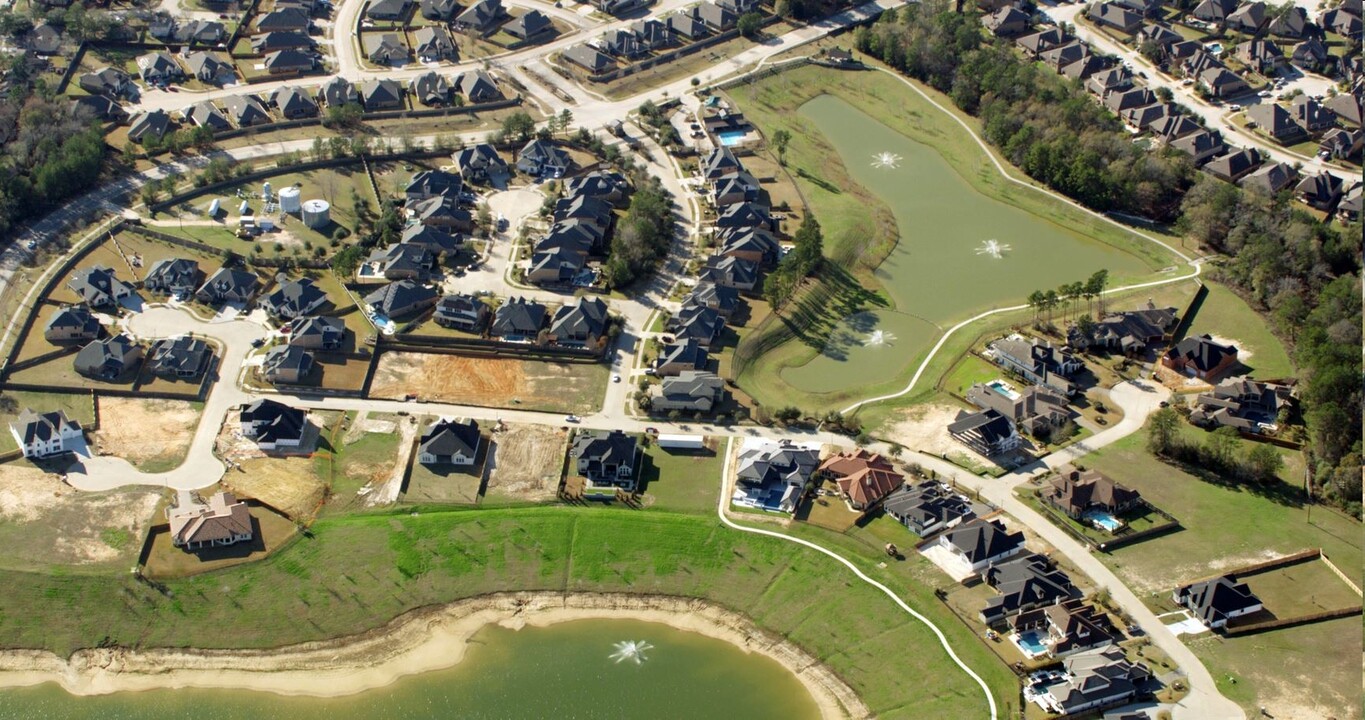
(1263, 56)
(435, 240)
(288, 19)
(1320, 191)
(159, 68)
(1234, 165)
(1066, 627)
(1129, 331)
(1035, 44)
(1221, 82)
(773, 476)
(1249, 18)
(1113, 15)
(1215, 11)
(699, 323)
(987, 432)
(293, 103)
(99, 287)
(1007, 22)
(1246, 405)
(478, 87)
(1271, 179)
(246, 110)
(270, 42)
(41, 435)
(229, 285)
(730, 272)
(723, 300)
(440, 9)
(1077, 492)
(289, 364)
(109, 359)
(583, 323)
(1201, 146)
(387, 49)
(618, 43)
(272, 424)
(71, 322)
(556, 265)
(180, 358)
(865, 478)
(109, 81)
(174, 276)
(318, 332)
(688, 391)
(462, 312)
(1311, 115)
(976, 544)
(653, 34)
(715, 17)
(482, 17)
(338, 92)
(1038, 362)
(205, 114)
(381, 95)
(294, 298)
(927, 508)
(433, 44)
(1038, 410)
(390, 10)
(605, 186)
(518, 318)
(1216, 601)
(529, 25)
(401, 298)
(1275, 121)
(430, 89)
(680, 357)
(1200, 357)
(210, 67)
(607, 459)
(1340, 143)
(1024, 582)
(450, 442)
(152, 123)
(1098, 678)
(476, 163)
(1291, 22)
(102, 107)
(544, 159)
(224, 520)
(686, 24)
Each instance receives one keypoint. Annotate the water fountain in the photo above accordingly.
(886, 160)
(993, 248)
(631, 650)
(878, 338)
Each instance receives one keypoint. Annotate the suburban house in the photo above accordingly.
(698, 323)
(1037, 362)
(1216, 601)
(449, 442)
(1271, 179)
(173, 276)
(543, 159)
(159, 68)
(481, 17)
(773, 476)
(338, 92)
(1066, 627)
(442, 212)
(1022, 583)
(41, 435)
(272, 424)
(1246, 405)
(286, 19)
(1201, 146)
(180, 358)
(653, 34)
(688, 391)
(1248, 18)
(228, 286)
(1078, 492)
(400, 261)
(582, 324)
(606, 458)
(1340, 143)
(270, 42)
(461, 312)
(207, 115)
(1235, 165)
(433, 183)
(98, 287)
(680, 357)
(518, 320)
(435, 240)
(1263, 56)
(293, 299)
(153, 123)
(102, 107)
(730, 272)
(477, 87)
(1007, 22)
(754, 244)
(864, 478)
(433, 44)
(529, 25)
(1113, 15)
(109, 359)
(387, 50)
(1215, 12)
(1320, 191)
(430, 89)
(1095, 679)
(225, 520)
(391, 10)
(1129, 332)
(381, 95)
(928, 507)
(293, 103)
(609, 187)
(288, 364)
(109, 81)
(1037, 409)
(1221, 82)
(1277, 122)
(289, 61)
(987, 433)
(401, 298)
(978, 543)
(1200, 357)
(444, 10)
(71, 322)
(210, 67)
(686, 24)
(318, 332)
(477, 163)
(619, 43)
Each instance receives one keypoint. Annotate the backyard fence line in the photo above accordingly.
(1339, 573)
(1233, 631)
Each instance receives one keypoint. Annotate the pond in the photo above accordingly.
(960, 252)
(568, 670)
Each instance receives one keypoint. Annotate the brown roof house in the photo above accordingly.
(1066, 627)
(1200, 357)
(224, 520)
(865, 478)
(1246, 405)
(1082, 493)
(1037, 409)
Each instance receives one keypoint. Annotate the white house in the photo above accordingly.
(42, 435)
(979, 543)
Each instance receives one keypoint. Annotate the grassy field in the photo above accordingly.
(356, 572)
(970, 371)
(859, 230)
(1225, 315)
(682, 480)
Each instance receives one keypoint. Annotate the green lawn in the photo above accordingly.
(370, 458)
(970, 371)
(682, 480)
(357, 572)
(1226, 315)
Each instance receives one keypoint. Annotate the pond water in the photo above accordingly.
(960, 252)
(568, 670)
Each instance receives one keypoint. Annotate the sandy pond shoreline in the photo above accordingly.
(423, 640)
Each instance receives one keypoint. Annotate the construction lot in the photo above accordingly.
(153, 435)
(491, 382)
(525, 463)
(290, 483)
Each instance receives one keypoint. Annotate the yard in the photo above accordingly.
(153, 435)
(525, 463)
(1224, 315)
(357, 571)
(682, 480)
(364, 456)
(446, 484)
(166, 561)
(492, 382)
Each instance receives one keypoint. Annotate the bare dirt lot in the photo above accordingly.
(525, 463)
(925, 428)
(288, 484)
(44, 522)
(153, 435)
(491, 382)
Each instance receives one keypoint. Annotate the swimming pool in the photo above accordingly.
(1003, 388)
(1031, 642)
(729, 138)
(1103, 520)
(1215, 48)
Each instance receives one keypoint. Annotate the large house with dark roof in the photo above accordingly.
(1022, 583)
(229, 285)
(1214, 602)
(518, 319)
(607, 459)
(1246, 405)
(976, 544)
(1066, 627)
(41, 435)
(688, 391)
(180, 358)
(110, 359)
(927, 508)
(71, 323)
(679, 357)
(699, 323)
(461, 312)
(1038, 362)
(318, 332)
(294, 298)
(584, 323)
(773, 476)
(288, 364)
(1078, 492)
(449, 442)
(98, 287)
(174, 276)
(401, 298)
(987, 432)
(273, 424)
(1037, 409)
(1200, 357)
(1094, 679)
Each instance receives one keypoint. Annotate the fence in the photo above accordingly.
(1233, 631)
(1187, 319)
(765, 71)
(110, 392)
(376, 115)
(465, 346)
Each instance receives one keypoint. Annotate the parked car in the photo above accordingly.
(570, 418)
(1235, 107)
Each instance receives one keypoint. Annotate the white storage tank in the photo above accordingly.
(316, 214)
(265, 191)
(290, 202)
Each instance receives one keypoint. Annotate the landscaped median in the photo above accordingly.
(358, 572)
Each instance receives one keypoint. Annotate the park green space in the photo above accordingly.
(565, 666)
(906, 238)
(355, 572)
(1226, 526)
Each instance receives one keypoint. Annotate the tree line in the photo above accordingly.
(643, 236)
(1068, 294)
(800, 263)
(1259, 464)
(52, 150)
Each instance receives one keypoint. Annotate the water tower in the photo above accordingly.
(290, 201)
(316, 214)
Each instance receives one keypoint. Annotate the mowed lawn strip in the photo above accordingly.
(357, 572)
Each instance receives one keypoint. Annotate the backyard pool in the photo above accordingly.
(730, 138)
(1030, 642)
(960, 252)
(1002, 387)
(1103, 520)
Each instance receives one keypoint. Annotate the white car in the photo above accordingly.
(570, 418)
(616, 378)
(1235, 108)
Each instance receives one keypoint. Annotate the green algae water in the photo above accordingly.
(960, 252)
(569, 670)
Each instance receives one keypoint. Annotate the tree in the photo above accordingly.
(749, 24)
(484, 219)
(1264, 463)
(1220, 445)
(1050, 302)
(518, 125)
(1037, 300)
(1162, 431)
(1095, 286)
(781, 138)
(565, 119)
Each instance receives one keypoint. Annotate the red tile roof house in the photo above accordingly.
(223, 521)
(1200, 357)
(864, 478)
